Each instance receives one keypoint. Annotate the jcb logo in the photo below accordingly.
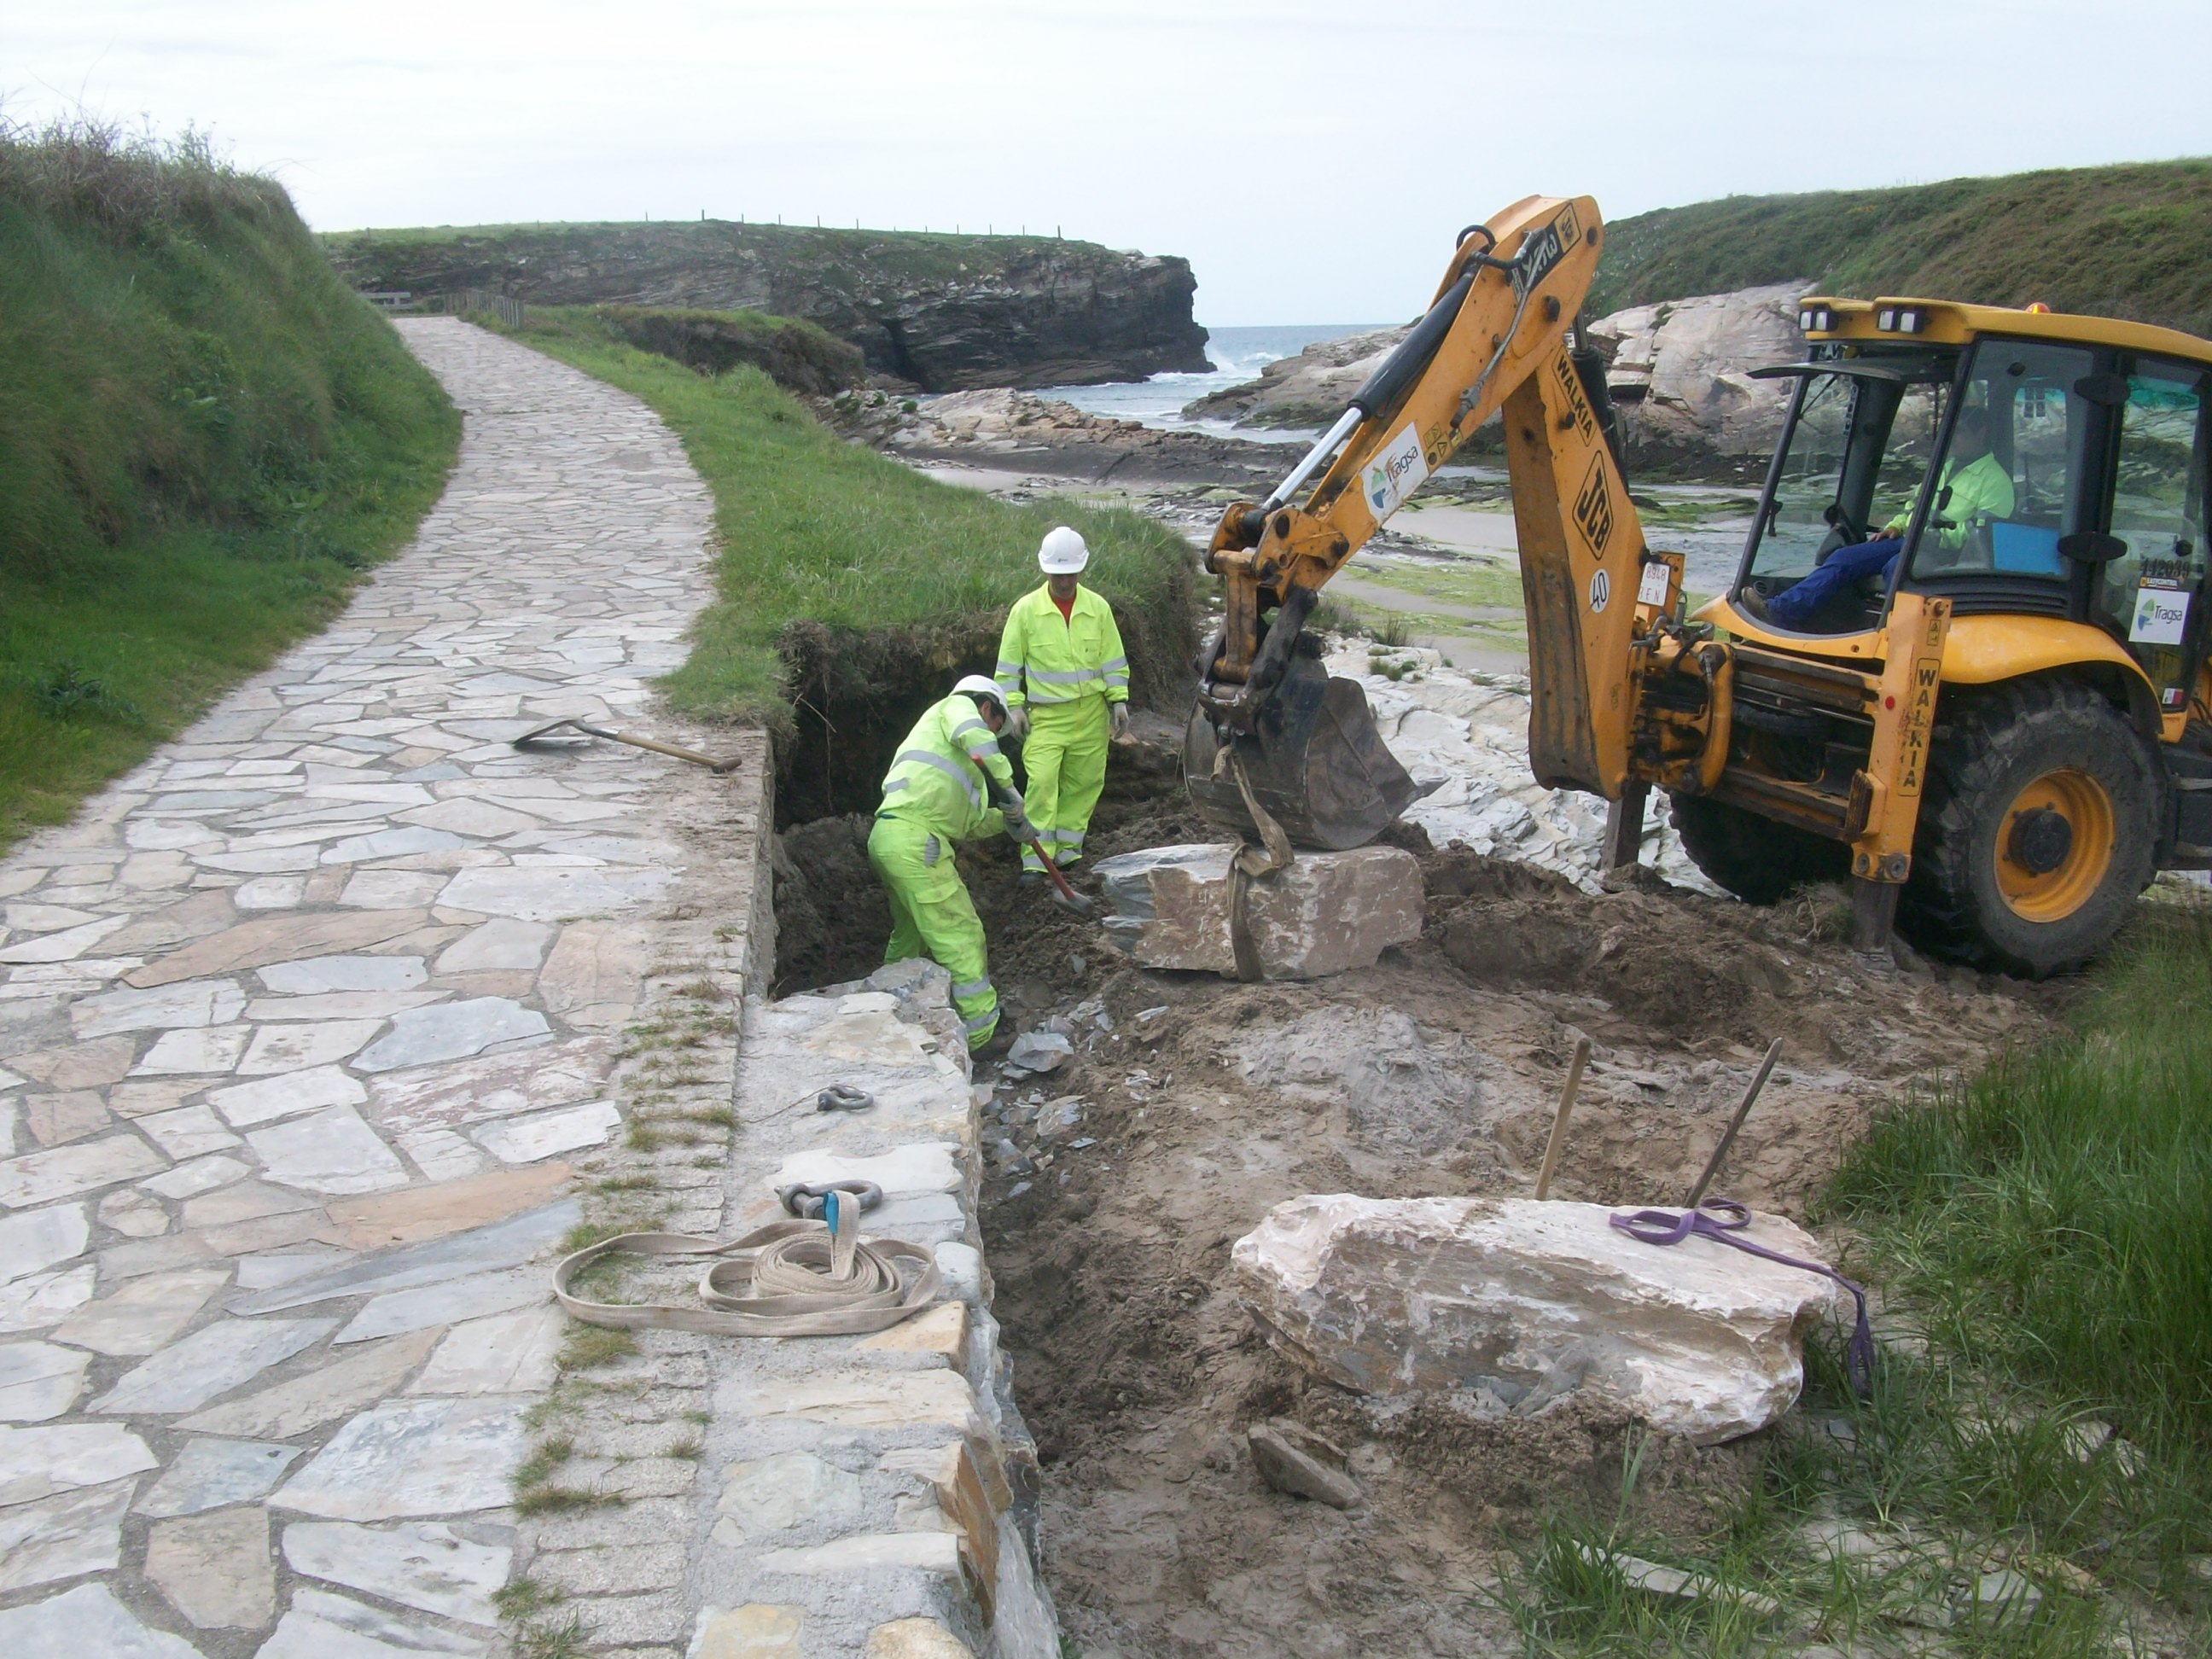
(1594, 508)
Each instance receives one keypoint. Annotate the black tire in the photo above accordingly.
(1989, 747)
(1756, 858)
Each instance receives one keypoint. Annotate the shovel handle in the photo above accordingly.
(1076, 902)
(658, 747)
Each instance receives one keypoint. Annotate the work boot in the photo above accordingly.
(1754, 605)
(1032, 878)
(1000, 1040)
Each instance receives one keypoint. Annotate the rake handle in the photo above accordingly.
(658, 747)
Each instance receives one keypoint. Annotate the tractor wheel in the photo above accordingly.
(2037, 831)
(1756, 858)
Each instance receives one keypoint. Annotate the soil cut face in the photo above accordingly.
(1193, 1104)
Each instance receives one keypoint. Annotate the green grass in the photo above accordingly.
(2043, 1228)
(817, 530)
(2132, 241)
(205, 439)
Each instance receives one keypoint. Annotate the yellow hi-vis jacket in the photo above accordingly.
(1045, 658)
(944, 771)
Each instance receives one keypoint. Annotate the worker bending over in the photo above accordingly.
(939, 792)
(1065, 680)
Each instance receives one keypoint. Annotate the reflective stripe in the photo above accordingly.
(988, 746)
(896, 783)
(1006, 668)
(971, 726)
(951, 767)
(973, 987)
(1070, 838)
(931, 851)
(1112, 663)
(980, 1023)
(1063, 676)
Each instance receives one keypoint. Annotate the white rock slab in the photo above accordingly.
(1399, 1296)
(31, 1244)
(191, 1002)
(445, 1304)
(63, 1537)
(194, 1050)
(37, 1462)
(314, 975)
(391, 889)
(526, 1139)
(922, 1167)
(40, 1380)
(269, 893)
(45, 1299)
(496, 1086)
(190, 1180)
(188, 1373)
(295, 1048)
(65, 1172)
(209, 1473)
(332, 1151)
(320, 1626)
(392, 844)
(451, 1030)
(552, 895)
(415, 1457)
(246, 1104)
(504, 945)
(83, 1622)
(418, 1563)
(187, 1132)
(143, 1314)
(507, 1353)
(64, 946)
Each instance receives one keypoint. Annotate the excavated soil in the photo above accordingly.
(1199, 1103)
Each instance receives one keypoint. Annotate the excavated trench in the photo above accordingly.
(1116, 1186)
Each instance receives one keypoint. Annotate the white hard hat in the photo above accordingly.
(1063, 553)
(981, 685)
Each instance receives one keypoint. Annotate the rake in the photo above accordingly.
(543, 734)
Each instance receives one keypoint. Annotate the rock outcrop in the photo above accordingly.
(1509, 1303)
(1307, 390)
(1680, 373)
(944, 312)
(1327, 914)
(1019, 428)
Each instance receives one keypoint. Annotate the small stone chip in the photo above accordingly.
(1293, 1461)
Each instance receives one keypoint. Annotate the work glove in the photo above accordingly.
(1019, 827)
(1121, 722)
(1018, 722)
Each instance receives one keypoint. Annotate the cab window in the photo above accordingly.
(2008, 484)
(2151, 594)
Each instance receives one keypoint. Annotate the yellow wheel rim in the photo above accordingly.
(2054, 845)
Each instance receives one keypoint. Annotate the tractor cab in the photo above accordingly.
(2019, 464)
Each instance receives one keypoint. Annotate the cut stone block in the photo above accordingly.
(63, 1537)
(1401, 1295)
(425, 1565)
(88, 1619)
(215, 1567)
(1327, 913)
(40, 1380)
(210, 1474)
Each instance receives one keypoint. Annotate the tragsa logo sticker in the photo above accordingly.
(1396, 473)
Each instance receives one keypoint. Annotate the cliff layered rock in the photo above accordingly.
(1311, 389)
(1680, 373)
(944, 312)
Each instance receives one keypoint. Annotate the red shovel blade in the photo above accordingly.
(1064, 896)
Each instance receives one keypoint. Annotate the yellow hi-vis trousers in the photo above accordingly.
(931, 915)
(1064, 758)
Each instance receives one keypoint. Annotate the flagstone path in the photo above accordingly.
(300, 1026)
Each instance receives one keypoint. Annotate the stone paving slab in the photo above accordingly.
(304, 1026)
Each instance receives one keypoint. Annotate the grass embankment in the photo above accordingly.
(849, 586)
(2047, 1227)
(204, 438)
(2132, 241)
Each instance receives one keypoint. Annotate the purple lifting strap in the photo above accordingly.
(1721, 1220)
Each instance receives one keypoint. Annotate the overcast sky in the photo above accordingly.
(1311, 159)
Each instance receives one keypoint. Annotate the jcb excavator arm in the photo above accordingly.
(1495, 337)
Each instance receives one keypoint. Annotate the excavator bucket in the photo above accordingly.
(1316, 764)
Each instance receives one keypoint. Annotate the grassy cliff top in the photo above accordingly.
(906, 255)
(2132, 241)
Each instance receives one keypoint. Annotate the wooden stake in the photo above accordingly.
(1559, 1139)
(1727, 1135)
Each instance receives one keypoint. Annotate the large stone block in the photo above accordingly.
(1327, 913)
(1519, 1302)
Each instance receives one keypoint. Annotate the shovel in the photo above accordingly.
(692, 755)
(1064, 896)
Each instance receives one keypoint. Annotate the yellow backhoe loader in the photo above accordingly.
(1998, 735)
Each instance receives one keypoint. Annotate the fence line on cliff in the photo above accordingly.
(462, 301)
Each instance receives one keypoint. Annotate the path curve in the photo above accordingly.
(297, 1021)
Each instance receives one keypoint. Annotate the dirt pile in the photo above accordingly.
(1193, 1104)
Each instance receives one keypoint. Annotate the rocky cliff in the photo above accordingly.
(1307, 390)
(944, 312)
(1681, 374)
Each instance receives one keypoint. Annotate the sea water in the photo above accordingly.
(1237, 355)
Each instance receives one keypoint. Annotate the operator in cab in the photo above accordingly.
(1975, 488)
(939, 792)
(1065, 680)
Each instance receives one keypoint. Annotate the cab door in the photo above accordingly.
(2152, 595)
